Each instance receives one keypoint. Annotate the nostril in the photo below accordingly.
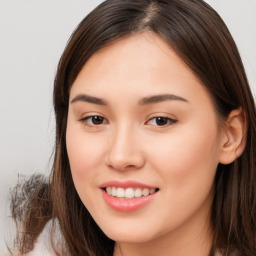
(121, 166)
(124, 158)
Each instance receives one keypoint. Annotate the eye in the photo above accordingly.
(161, 121)
(93, 120)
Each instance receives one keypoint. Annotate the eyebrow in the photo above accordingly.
(144, 101)
(160, 98)
(90, 99)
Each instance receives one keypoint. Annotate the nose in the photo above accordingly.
(125, 150)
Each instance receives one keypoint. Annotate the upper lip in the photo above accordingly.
(125, 184)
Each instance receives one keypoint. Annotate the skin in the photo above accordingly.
(180, 158)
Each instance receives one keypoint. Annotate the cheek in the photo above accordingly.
(187, 156)
(85, 157)
(85, 152)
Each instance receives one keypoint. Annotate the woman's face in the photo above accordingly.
(143, 142)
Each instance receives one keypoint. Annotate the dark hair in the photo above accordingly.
(201, 39)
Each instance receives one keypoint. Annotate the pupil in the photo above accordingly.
(97, 120)
(161, 121)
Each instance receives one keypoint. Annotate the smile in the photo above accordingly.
(127, 196)
(129, 193)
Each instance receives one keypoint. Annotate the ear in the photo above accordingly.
(234, 137)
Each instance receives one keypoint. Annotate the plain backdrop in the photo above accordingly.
(33, 34)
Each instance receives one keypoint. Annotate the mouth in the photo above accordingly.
(128, 196)
(130, 192)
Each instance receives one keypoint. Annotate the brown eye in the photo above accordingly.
(97, 120)
(161, 121)
(93, 120)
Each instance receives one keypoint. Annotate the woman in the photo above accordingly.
(155, 138)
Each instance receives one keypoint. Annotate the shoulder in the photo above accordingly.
(44, 246)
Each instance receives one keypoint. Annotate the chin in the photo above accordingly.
(129, 236)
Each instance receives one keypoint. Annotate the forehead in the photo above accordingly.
(138, 65)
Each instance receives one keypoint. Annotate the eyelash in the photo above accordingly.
(167, 120)
(88, 121)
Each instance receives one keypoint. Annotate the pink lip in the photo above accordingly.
(123, 204)
(127, 205)
(125, 184)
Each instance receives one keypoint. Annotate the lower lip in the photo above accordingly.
(127, 205)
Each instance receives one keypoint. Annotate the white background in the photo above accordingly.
(33, 34)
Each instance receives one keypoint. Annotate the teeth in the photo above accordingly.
(138, 192)
(120, 192)
(145, 192)
(109, 190)
(152, 190)
(113, 191)
(129, 192)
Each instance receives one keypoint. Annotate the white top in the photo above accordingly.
(43, 245)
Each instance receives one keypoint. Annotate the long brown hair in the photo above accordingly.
(201, 39)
